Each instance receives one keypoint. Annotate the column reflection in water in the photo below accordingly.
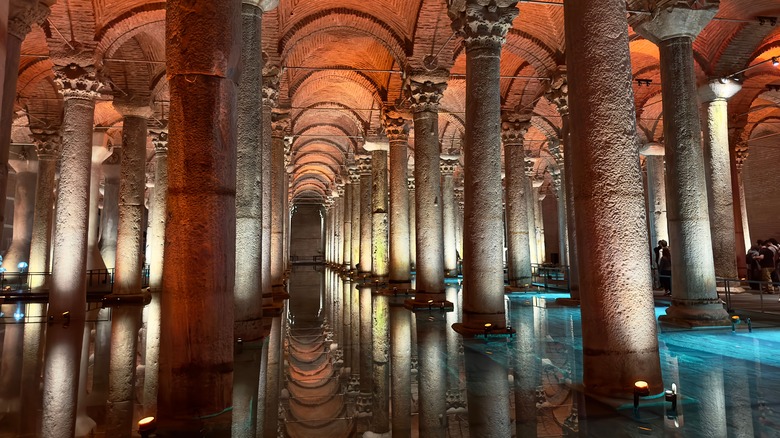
(366, 357)
(487, 387)
(703, 382)
(431, 375)
(11, 366)
(34, 331)
(380, 407)
(354, 381)
(401, 373)
(455, 398)
(739, 413)
(346, 342)
(526, 365)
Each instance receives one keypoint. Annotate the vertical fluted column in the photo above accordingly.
(47, 145)
(694, 297)
(126, 301)
(412, 222)
(354, 179)
(513, 129)
(656, 194)
(447, 167)
(717, 159)
(366, 226)
(110, 214)
(347, 209)
(26, 169)
(280, 125)
(380, 266)
(156, 245)
(397, 131)
(425, 92)
(20, 20)
(484, 31)
(67, 296)
(203, 53)
(614, 291)
(248, 292)
(270, 94)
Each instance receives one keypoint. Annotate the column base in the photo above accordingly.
(696, 313)
(416, 305)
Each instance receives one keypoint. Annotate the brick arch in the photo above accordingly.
(303, 160)
(359, 78)
(325, 130)
(320, 146)
(338, 89)
(360, 23)
(114, 34)
(301, 119)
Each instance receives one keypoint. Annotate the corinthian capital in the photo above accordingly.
(280, 123)
(76, 82)
(47, 143)
(425, 91)
(21, 20)
(558, 93)
(270, 84)
(448, 164)
(395, 124)
(160, 141)
(482, 23)
(364, 164)
(513, 128)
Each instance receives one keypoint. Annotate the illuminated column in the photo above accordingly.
(536, 221)
(740, 155)
(20, 19)
(270, 95)
(364, 403)
(484, 32)
(527, 369)
(447, 167)
(694, 297)
(280, 125)
(397, 131)
(454, 396)
(380, 395)
(364, 169)
(347, 209)
(656, 188)
(339, 243)
(513, 129)
(202, 59)
(432, 370)
(273, 379)
(739, 414)
(401, 384)
(100, 152)
(67, 299)
(380, 266)
(249, 205)
(47, 145)
(156, 244)
(354, 178)
(412, 222)
(608, 173)
(346, 318)
(717, 161)
(459, 223)
(558, 185)
(355, 363)
(425, 92)
(487, 388)
(110, 214)
(26, 169)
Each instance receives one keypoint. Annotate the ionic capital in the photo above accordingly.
(483, 24)
(160, 142)
(47, 143)
(425, 91)
(77, 82)
(363, 164)
(514, 128)
(20, 24)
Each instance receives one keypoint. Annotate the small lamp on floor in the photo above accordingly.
(147, 426)
(641, 389)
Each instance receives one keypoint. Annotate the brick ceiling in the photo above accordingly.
(343, 60)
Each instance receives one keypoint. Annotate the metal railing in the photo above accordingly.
(34, 286)
(550, 276)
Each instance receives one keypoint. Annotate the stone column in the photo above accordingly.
(156, 244)
(20, 20)
(694, 298)
(110, 214)
(280, 125)
(740, 155)
(484, 29)
(513, 129)
(347, 240)
(354, 178)
(248, 292)
(487, 388)
(126, 300)
(364, 169)
(47, 145)
(447, 167)
(380, 394)
(459, 219)
(412, 222)
(538, 219)
(203, 55)
(425, 91)
(26, 168)
(380, 264)
(270, 96)
(339, 243)
(656, 192)
(365, 312)
(273, 379)
(432, 370)
(717, 160)
(559, 186)
(67, 296)
(401, 375)
(615, 270)
(397, 131)
(100, 152)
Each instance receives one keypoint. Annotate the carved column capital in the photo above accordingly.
(395, 124)
(425, 91)
(482, 23)
(160, 142)
(514, 128)
(410, 183)
(364, 164)
(271, 85)
(448, 164)
(674, 19)
(280, 124)
(558, 93)
(353, 175)
(529, 167)
(76, 82)
(47, 143)
(556, 150)
(741, 154)
(20, 24)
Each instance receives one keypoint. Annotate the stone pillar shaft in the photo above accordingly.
(366, 223)
(432, 375)
(401, 375)
(656, 186)
(99, 154)
(412, 223)
(379, 228)
(24, 208)
(47, 145)
(400, 264)
(12, 46)
(448, 216)
(366, 339)
(278, 194)
(615, 270)
(356, 200)
(347, 241)
(380, 408)
(518, 245)
(201, 202)
(126, 318)
(110, 214)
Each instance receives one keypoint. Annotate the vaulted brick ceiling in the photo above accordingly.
(343, 60)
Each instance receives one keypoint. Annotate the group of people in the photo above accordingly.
(762, 260)
(663, 261)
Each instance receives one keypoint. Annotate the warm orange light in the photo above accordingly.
(488, 325)
(641, 388)
(147, 424)
(640, 384)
